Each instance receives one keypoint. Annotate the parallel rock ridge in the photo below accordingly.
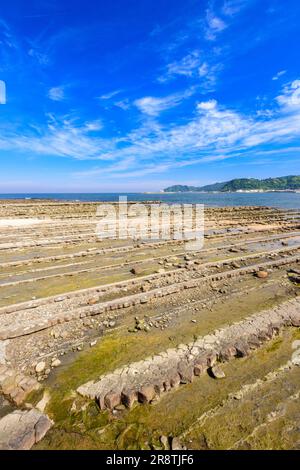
(15, 385)
(144, 380)
(26, 325)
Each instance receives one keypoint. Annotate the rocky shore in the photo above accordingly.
(93, 328)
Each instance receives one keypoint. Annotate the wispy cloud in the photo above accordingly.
(278, 75)
(2, 92)
(290, 98)
(109, 95)
(92, 126)
(214, 25)
(186, 66)
(196, 66)
(154, 106)
(57, 93)
(232, 7)
(123, 104)
(40, 57)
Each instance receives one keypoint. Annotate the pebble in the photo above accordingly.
(217, 372)
(262, 274)
(40, 367)
(55, 363)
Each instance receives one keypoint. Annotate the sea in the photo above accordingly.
(283, 200)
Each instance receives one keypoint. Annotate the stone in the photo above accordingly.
(186, 372)
(56, 363)
(253, 341)
(112, 399)
(211, 359)
(128, 398)
(295, 319)
(136, 270)
(165, 442)
(296, 358)
(40, 367)
(176, 444)
(217, 372)
(199, 369)
(262, 274)
(93, 301)
(226, 353)
(20, 430)
(146, 394)
(242, 349)
(175, 381)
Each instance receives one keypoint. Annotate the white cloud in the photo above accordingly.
(209, 75)
(123, 104)
(214, 26)
(207, 105)
(185, 66)
(203, 69)
(2, 92)
(232, 7)
(41, 58)
(56, 93)
(108, 96)
(91, 126)
(279, 74)
(213, 133)
(154, 106)
(290, 97)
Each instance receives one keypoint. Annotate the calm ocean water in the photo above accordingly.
(283, 200)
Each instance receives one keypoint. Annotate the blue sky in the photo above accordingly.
(136, 95)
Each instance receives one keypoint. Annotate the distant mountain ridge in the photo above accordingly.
(283, 183)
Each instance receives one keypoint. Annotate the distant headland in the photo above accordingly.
(283, 183)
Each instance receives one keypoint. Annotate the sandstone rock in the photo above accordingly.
(56, 363)
(165, 442)
(217, 372)
(296, 358)
(128, 398)
(112, 399)
(93, 301)
(175, 381)
(186, 372)
(211, 359)
(40, 367)
(262, 274)
(136, 270)
(253, 341)
(146, 394)
(295, 319)
(20, 430)
(242, 349)
(227, 353)
(199, 369)
(176, 444)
